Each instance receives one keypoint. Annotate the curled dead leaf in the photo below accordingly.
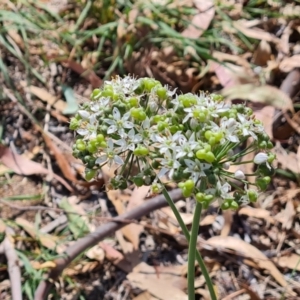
(200, 21)
(266, 94)
(248, 251)
(23, 166)
(290, 63)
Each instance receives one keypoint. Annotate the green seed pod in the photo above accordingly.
(264, 170)
(211, 177)
(138, 180)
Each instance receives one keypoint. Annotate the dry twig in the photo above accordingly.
(13, 268)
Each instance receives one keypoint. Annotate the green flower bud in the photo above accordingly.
(262, 183)
(210, 157)
(226, 204)
(161, 93)
(96, 94)
(252, 195)
(133, 102)
(201, 154)
(138, 180)
(189, 184)
(74, 124)
(200, 197)
(271, 157)
(234, 205)
(186, 192)
(140, 151)
(90, 174)
(80, 145)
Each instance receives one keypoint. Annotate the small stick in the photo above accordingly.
(13, 268)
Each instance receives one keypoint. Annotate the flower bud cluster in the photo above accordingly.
(190, 139)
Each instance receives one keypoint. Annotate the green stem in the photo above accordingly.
(192, 251)
(187, 236)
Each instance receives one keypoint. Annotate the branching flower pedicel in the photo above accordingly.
(191, 139)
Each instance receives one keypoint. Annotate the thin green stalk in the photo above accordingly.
(187, 236)
(192, 251)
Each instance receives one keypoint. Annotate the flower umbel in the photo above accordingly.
(189, 138)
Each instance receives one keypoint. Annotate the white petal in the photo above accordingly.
(116, 114)
(110, 144)
(82, 131)
(110, 122)
(137, 138)
(260, 158)
(146, 123)
(190, 164)
(111, 129)
(101, 159)
(131, 147)
(128, 124)
(162, 172)
(84, 114)
(121, 143)
(232, 138)
(118, 160)
(126, 116)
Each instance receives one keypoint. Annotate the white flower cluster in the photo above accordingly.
(191, 139)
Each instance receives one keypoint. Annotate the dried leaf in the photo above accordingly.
(266, 115)
(200, 21)
(23, 166)
(116, 257)
(259, 213)
(96, 253)
(266, 94)
(286, 216)
(186, 217)
(144, 296)
(287, 160)
(45, 96)
(132, 231)
(49, 241)
(138, 197)
(162, 286)
(226, 57)
(39, 266)
(64, 160)
(254, 33)
(89, 75)
(228, 218)
(248, 251)
(230, 74)
(290, 63)
(208, 220)
(292, 261)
